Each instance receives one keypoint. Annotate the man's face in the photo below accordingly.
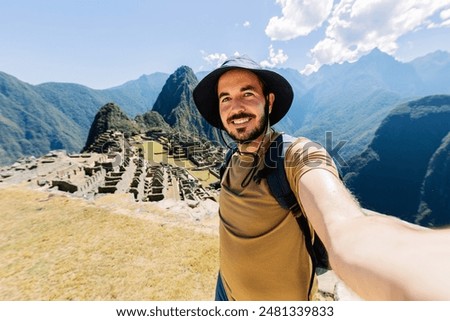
(241, 105)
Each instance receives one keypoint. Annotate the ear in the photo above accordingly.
(271, 97)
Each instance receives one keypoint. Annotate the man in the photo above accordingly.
(262, 249)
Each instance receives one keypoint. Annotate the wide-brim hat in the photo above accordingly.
(207, 101)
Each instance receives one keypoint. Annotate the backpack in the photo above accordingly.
(276, 178)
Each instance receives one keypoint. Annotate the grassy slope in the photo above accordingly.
(54, 247)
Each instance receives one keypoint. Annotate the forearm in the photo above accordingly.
(384, 259)
(378, 256)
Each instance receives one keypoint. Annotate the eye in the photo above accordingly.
(225, 99)
(248, 94)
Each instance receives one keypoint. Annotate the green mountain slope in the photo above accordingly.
(404, 171)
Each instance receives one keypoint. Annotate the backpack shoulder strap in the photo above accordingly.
(276, 175)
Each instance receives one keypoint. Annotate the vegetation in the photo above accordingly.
(406, 163)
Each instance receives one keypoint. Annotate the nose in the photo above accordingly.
(236, 106)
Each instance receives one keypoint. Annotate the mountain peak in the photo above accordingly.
(184, 74)
(377, 51)
(110, 117)
(378, 56)
(109, 108)
(175, 92)
(176, 105)
(184, 69)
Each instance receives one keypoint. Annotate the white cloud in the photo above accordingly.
(445, 14)
(300, 17)
(215, 59)
(275, 58)
(445, 17)
(355, 27)
(246, 24)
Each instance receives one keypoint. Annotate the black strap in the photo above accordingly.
(276, 175)
(304, 226)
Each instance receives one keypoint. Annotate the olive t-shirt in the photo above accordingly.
(262, 250)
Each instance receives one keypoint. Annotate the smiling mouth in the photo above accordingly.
(240, 121)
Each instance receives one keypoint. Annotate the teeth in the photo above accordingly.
(241, 121)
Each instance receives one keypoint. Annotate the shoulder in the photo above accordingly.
(304, 154)
(302, 146)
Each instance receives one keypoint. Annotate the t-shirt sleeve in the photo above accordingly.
(304, 155)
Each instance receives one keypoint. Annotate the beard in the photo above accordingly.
(240, 136)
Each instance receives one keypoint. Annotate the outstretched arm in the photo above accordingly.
(379, 257)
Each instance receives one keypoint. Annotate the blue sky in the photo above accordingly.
(104, 43)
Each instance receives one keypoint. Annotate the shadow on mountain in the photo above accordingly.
(404, 171)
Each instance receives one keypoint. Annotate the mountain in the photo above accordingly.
(404, 171)
(37, 119)
(434, 205)
(174, 110)
(78, 103)
(111, 117)
(30, 125)
(434, 71)
(350, 100)
(137, 96)
(81, 103)
(152, 119)
(176, 105)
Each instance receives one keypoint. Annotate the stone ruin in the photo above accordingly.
(114, 164)
(200, 152)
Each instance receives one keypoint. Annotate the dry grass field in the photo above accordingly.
(55, 247)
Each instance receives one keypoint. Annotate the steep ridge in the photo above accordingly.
(434, 208)
(111, 117)
(388, 176)
(176, 105)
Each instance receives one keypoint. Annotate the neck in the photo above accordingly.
(253, 146)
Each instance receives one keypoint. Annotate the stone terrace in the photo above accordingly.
(114, 164)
